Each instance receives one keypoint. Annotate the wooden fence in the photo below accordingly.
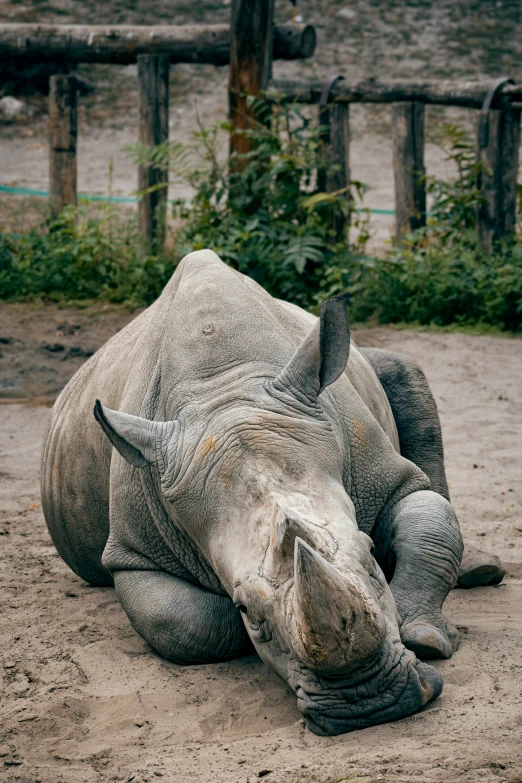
(154, 49)
(250, 44)
(498, 140)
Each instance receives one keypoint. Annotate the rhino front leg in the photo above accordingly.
(420, 437)
(183, 623)
(419, 544)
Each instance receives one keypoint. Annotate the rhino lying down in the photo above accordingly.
(255, 491)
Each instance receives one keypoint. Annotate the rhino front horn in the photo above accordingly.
(335, 625)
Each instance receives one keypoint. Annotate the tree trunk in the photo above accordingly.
(250, 69)
(456, 93)
(121, 44)
(335, 151)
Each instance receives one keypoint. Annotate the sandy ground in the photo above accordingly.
(85, 700)
(42, 347)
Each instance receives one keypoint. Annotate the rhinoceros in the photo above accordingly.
(249, 478)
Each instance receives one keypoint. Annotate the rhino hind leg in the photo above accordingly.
(415, 413)
(182, 622)
(420, 437)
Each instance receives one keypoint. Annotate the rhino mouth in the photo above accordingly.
(393, 687)
(344, 658)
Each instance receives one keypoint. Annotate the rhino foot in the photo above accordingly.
(427, 641)
(479, 569)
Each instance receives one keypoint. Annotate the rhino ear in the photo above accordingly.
(138, 440)
(322, 356)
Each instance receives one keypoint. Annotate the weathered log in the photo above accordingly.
(334, 121)
(408, 167)
(448, 93)
(498, 152)
(153, 105)
(63, 131)
(121, 44)
(250, 69)
(294, 41)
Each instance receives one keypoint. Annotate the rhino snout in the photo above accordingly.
(393, 689)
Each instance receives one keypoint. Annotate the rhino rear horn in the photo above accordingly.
(138, 440)
(335, 625)
(322, 356)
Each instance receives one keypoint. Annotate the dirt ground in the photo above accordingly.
(85, 700)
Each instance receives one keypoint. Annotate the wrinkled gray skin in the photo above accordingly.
(256, 483)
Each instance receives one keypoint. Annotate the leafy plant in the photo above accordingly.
(78, 255)
(268, 219)
(440, 274)
(262, 212)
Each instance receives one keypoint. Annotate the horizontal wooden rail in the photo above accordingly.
(499, 152)
(446, 93)
(121, 44)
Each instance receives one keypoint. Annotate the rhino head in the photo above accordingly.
(255, 479)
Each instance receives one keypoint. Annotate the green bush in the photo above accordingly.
(265, 216)
(439, 275)
(262, 212)
(430, 285)
(78, 255)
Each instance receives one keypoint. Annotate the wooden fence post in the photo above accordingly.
(497, 178)
(153, 103)
(408, 167)
(63, 129)
(251, 48)
(334, 120)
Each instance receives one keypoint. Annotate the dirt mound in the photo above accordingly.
(42, 347)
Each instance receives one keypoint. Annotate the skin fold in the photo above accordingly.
(249, 477)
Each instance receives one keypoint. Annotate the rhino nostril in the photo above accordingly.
(239, 598)
(431, 681)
